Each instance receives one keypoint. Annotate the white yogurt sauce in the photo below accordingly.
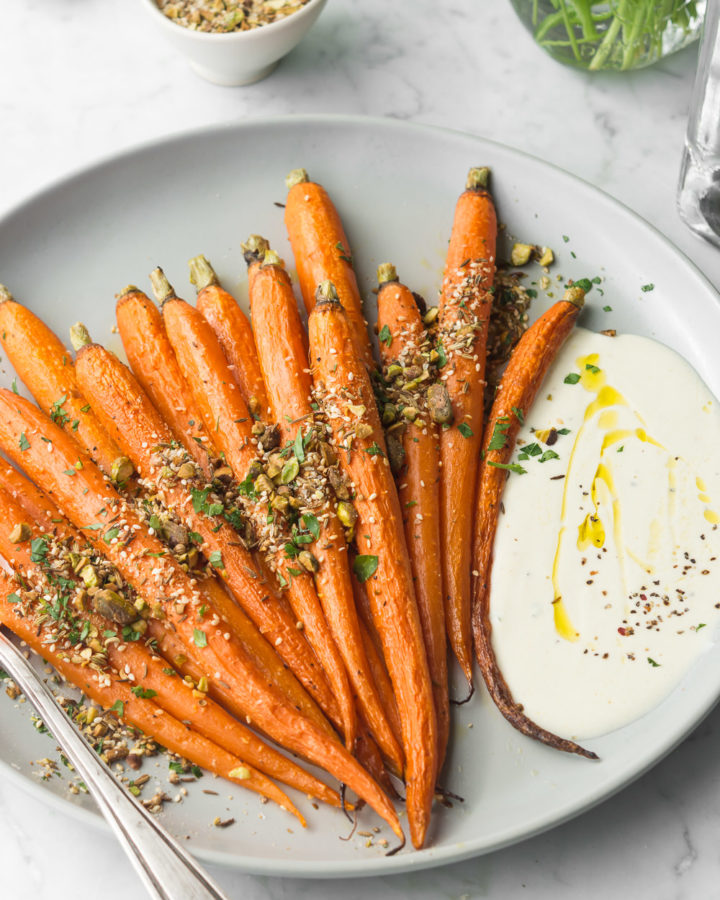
(606, 581)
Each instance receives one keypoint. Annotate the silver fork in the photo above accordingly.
(167, 870)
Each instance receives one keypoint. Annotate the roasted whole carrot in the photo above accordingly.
(110, 691)
(282, 351)
(414, 411)
(134, 660)
(92, 505)
(151, 358)
(342, 387)
(128, 415)
(463, 316)
(46, 368)
(219, 398)
(322, 253)
(232, 329)
(520, 383)
(22, 502)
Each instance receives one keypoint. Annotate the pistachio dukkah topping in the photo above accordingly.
(223, 16)
(73, 583)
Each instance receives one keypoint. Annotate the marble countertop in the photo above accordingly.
(81, 81)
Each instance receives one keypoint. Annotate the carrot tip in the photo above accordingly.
(79, 336)
(128, 289)
(575, 295)
(326, 293)
(161, 287)
(202, 273)
(297, 176)
(255, 248)
(386, 272)
(271, 258)
(5, 294)
(478, 178)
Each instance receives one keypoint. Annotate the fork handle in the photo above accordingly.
(166, 869)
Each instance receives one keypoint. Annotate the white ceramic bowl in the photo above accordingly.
(239, 57)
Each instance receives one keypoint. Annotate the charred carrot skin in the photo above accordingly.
(520, 383)
(282, 352)
(111, 691)
(463, 316)
(152, 360)
(217, 394)
(129, 416)
(343, 383)
(233, 330)
(322, 252)
(128, 551)
(46, 368)
(403, 342)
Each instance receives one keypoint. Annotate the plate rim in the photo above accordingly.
(428, 857)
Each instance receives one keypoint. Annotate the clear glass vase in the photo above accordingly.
(616, 35)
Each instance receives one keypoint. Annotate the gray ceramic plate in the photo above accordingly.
(67, 252)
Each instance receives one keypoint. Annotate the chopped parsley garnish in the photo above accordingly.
(14, 386)
(465, 430)
(519, 414)
(591, 368)
(312, 524)
(13, 598)
(385, 336)
(118, 707)
(215, 559)
(110, 534)
(143, 693)
(38, 549)
(57, 413)
(511, 467)
(607, 308)
(530, 450)
(652, 662)
(571, 378)
(24, 442)
(549, 454)
(364, 566)
(647, 287)
(442, 357)
(375, 450)
(299, 446)
(499, 438)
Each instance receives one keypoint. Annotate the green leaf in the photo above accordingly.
(299, 447)
(655, 665)
(38, 549)
(647, 287)
(215, 559)
(118, 707)
(143, 693)
(442, 357)
(199, 638)
(24, 442)
(374, 450)
(519, 414)
(548, 454)
(563, 431)
(364, 566)
(385, 336)
(312, 524)
(591, 368)
(465, 430)
(14, 386)
(511, 467)
(13, 598)
(572, 378)
(110, 534)
(199, 498)
(607, 308)
(499, 438)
